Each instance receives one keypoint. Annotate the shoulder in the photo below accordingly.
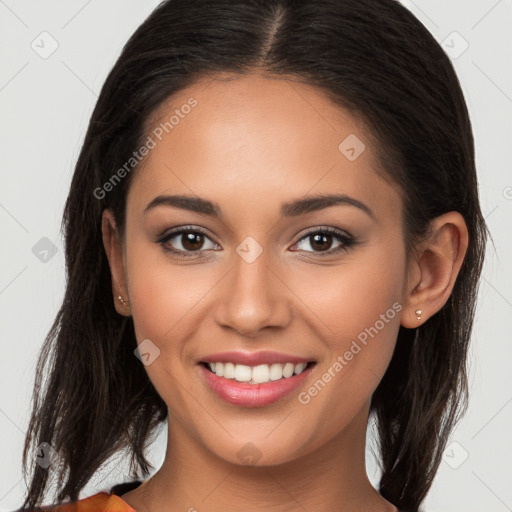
(99, 502)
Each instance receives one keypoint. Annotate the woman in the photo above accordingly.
(273, 235)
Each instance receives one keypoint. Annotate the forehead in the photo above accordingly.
(254, 142)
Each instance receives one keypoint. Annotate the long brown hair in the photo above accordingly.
(371, 57)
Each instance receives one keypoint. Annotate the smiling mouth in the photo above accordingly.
(260, 374)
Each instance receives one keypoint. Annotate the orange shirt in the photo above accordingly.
(99, 502)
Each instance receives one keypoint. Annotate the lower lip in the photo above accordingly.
(253, 395)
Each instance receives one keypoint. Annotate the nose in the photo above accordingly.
(253, 297)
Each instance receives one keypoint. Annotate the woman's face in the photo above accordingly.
(259, 276)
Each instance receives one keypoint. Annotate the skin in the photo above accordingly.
(249, 145)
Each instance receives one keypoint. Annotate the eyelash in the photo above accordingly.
(347, 240)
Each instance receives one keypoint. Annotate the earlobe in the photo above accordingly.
(436, 267)
(114, 251)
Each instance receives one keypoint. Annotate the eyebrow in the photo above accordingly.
(290, 209)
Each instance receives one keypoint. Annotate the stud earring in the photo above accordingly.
(125, 302)
(418, 313)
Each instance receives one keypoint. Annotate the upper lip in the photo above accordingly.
(253, 358)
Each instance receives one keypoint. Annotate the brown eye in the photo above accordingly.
(192, 241)
(185, 240)
(322, 240)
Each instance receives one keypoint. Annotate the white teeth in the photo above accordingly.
(243, 373)
(299, 368)
(229, 370)
(261, 373)
(288, 369)
(276, 371)
(257, 374)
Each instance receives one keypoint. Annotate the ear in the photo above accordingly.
(115, 256)
(434, 269)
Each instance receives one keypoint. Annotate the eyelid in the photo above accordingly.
(172, 232)
(325, 229)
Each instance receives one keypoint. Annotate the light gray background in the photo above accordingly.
(45, 107)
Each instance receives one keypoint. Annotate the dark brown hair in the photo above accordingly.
(372, 57)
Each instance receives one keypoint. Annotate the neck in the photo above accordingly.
(331, 478)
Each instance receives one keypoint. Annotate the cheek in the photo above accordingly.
(164, 298)
(360, 303)
(162, 294)
(354, 295)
